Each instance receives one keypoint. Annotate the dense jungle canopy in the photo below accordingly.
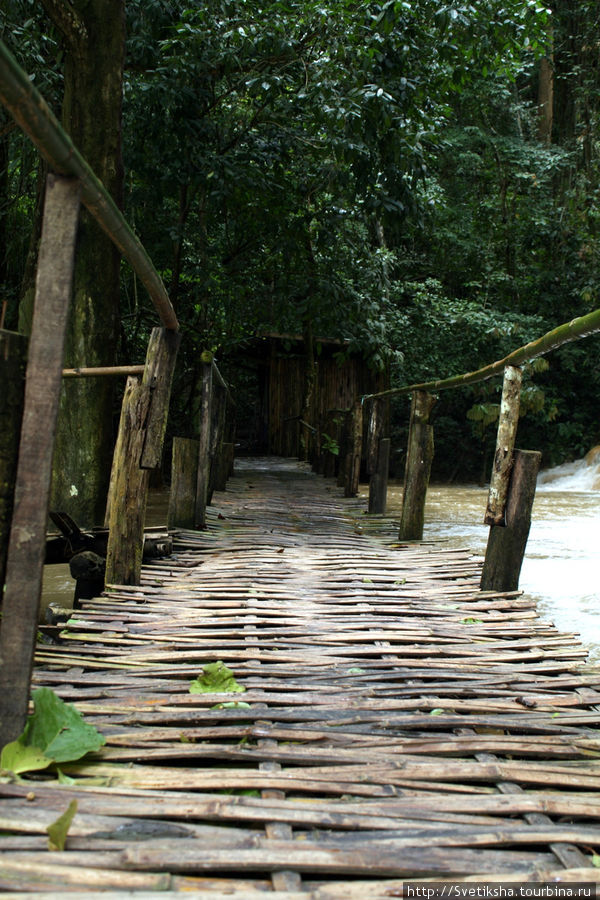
(419, 179)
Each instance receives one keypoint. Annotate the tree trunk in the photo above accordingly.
(545, 100)
(94, 34)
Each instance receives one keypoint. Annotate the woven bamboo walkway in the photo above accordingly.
(400, 725)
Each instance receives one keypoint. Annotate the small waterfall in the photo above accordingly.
(581, 475)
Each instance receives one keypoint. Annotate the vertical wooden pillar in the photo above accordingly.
(218, 404)
(506, 545)
(419, 457)
(505, 442)
(161, 357)
(379, 479)
(27, 543)
(204, 441)
(374, 434)
(128, 489)
(354, 453)
(184, 477)
(138, 449)
(13, 355)
(344, 444)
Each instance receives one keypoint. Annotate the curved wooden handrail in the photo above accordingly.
(581, 327)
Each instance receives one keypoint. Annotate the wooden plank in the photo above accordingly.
(27, 542)
(362, 661)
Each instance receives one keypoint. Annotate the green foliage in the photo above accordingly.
(370, 172)
(55, 733)
(216, 678)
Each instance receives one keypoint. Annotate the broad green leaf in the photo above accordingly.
(216, 678)
(18, 757)
(596, 861)
(59, 729)
(437, 712)
(57, 832)
(356, 670)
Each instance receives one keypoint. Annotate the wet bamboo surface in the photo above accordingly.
(400, 725)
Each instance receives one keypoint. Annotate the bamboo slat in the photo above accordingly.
(388, 704)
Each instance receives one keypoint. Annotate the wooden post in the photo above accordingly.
(13, 356)
(419, 456)
(184, 477)
(128, 489)
(158, 375)
(354, 454)
(138, 449)
(344, 443)
(505, 442)
(217, 427)
(27, 542)
(374, 435)
(379, 479)
(506, 545)
(204, 441)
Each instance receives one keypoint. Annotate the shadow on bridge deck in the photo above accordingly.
(396, 724)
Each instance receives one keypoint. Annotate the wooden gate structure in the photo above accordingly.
(384, 720)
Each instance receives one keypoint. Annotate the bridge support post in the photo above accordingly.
(184, 476)
(128, 491)
(204, 444)
(379, 479)
(419, 456)
(506, 544)
(138, 449)
(13, 356)
(354, 452)
(503, 457)
(27, 542)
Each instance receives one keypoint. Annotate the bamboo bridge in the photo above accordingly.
(397, 724)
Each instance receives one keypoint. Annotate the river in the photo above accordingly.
(560, 569)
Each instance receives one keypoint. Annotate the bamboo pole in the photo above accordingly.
(93, 371)
(32, 114)
(27, 543)
(505, 442)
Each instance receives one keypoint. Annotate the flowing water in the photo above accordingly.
(560, 570)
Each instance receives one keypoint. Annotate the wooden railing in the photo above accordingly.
(514, 472)
(145, 403)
